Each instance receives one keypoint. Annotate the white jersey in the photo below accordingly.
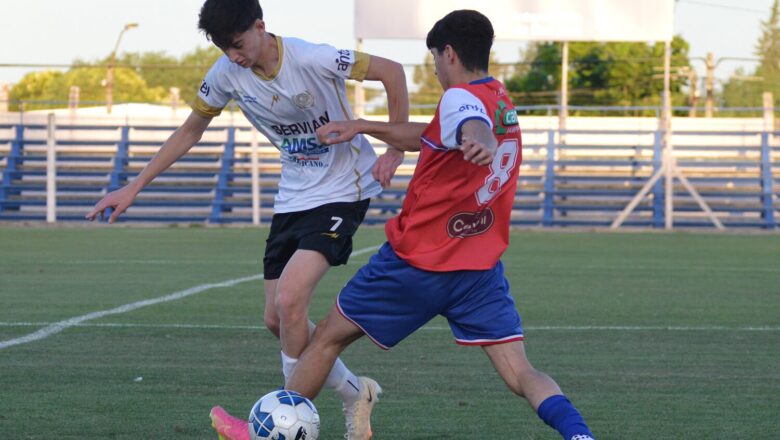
(306, 91)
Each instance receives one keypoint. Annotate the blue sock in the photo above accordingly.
(559, 413)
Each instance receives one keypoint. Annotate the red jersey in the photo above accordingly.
(456, 214)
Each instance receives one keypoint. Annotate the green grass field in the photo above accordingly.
(652, 335)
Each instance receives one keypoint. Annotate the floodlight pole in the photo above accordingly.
(668, 151)
(51, 169)
(360, 95)
(4, 97)
(668, 168)
(564, 112)
(110, 71)
(255, 175)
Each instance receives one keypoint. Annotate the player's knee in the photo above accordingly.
(272, 323)
(289, 308)
(325, 339)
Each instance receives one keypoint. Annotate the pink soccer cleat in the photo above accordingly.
(227, 426)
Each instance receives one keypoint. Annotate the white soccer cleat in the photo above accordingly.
(358, 415)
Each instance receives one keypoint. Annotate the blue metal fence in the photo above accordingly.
(224, 178)
(585, 180)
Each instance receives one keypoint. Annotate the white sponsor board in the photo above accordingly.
(525, 20)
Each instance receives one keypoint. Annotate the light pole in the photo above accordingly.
(110, 72)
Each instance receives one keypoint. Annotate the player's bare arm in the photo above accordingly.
(386, 165)
(187, 135)
(392, 76)
(478, 142)
(404, 136)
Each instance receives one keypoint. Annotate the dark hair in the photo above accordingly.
(469, 33)
(221, 20)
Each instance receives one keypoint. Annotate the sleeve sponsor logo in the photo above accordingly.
(343, 61)
(471, 108)
(205, 88)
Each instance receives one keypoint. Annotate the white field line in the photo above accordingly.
(637, 328)
(155, 262)
(54, 328)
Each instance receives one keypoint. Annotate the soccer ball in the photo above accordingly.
(284, 415)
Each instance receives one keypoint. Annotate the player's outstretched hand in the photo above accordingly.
(386, 165)
(337, 132)
(118, 200)
(476, 152)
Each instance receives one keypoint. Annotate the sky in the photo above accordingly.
(60, 31)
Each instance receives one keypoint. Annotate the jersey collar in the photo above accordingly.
(280, 48)
(482, 81)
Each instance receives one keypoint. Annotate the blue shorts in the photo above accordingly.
(389, 299)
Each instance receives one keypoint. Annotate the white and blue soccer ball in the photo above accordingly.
(284, 415)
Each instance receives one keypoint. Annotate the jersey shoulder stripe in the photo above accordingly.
(200, 107)
(360, 68)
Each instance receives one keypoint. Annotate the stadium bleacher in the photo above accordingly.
(582, 176)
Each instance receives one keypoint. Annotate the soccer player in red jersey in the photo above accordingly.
(443, 251)
(444, 248)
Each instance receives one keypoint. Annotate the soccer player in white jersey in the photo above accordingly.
(288, 88)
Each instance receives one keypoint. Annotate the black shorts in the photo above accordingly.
(327, 229)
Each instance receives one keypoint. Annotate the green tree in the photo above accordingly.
(32, 87)
(600, 74)
(194, 66)
(538, 76)
(158, 69)
(138, 77)
(51, 89)
(742, 90)
(129, 86)
(165, 71)
(768, 50)
(423, 100)
(429, 90)
(745, 90)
